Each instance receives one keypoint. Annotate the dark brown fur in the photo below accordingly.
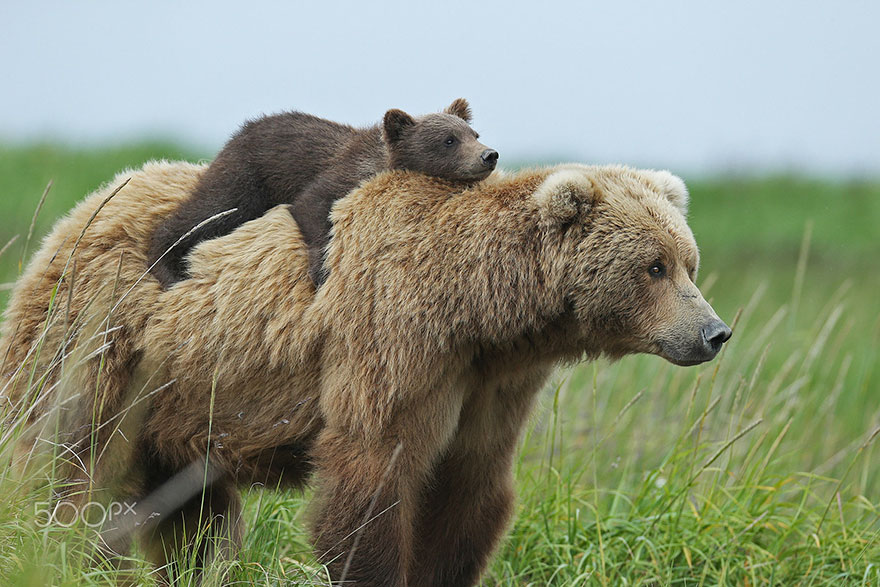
(299, 159)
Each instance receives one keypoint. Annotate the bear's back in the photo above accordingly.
(283, 152)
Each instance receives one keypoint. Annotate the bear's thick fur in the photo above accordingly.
(403, 382)
(308, 162)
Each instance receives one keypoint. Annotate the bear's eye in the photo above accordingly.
(657, 270)
(450, 140)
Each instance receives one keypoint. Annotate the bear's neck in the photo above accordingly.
(371, 143)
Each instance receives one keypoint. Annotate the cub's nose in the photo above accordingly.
(489, 157)
(715, 334)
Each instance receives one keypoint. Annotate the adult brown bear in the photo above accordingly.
(403, 383)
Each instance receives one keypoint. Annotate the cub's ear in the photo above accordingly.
(673, 188)
(460, 108)
(562, 194)
(395, 124)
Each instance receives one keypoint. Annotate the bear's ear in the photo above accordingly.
(562, 194)
(460, 108)
(395, 123)
(673, 188)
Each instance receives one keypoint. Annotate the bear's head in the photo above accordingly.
(442, 144)
(631, 262)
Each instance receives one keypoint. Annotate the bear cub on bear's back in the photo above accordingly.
(308, 162)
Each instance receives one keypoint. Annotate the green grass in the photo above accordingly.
(25, 173)
(759, 468)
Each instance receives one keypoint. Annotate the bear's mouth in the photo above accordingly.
(482, 173)
(686, 363)
(686, 357)
(472, 177)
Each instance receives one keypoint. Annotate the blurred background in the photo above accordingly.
(768, 110)
(700, 87)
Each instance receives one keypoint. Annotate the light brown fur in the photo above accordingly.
(58, 354)
(406, 379)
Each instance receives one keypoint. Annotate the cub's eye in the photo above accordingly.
(657, 270)
(449, 141)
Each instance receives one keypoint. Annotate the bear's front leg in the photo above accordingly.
(368, 491)
(464, 511)
(363, 523)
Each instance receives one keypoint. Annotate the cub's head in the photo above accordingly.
(630, 262)
(443, 144)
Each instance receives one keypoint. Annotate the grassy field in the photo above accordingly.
(759, 468)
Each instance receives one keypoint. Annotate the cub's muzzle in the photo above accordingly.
(489, 158)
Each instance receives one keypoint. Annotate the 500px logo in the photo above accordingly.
(92, 514)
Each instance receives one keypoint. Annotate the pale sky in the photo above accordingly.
(694, 86)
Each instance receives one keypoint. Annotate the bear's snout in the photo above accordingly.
(489, 158)
(715, 334)
(696, 339)
(700, 346)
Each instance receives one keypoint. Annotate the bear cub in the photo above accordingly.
(308, 162)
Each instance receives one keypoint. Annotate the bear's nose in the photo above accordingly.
(489, 157)
(715, 334)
